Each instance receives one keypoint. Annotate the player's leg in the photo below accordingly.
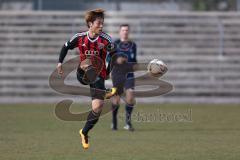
(118, 82)
(130, 102)
(92, 119)
(83, 78)
(94, 115)
(97, 91)
(115, 107)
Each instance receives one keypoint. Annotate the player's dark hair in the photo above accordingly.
(124, 25)
(92, 15)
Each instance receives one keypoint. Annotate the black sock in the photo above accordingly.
(129, 109)
(91, 121)
(114, 115)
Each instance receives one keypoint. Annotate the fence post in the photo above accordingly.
(39, 8)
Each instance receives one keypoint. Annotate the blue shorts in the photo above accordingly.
(122, 83)
(123, 77)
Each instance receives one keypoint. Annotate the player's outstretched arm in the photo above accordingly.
(71, 44)
(139, 66)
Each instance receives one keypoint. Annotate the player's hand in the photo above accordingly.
(59, 69)
(121, 60)
(110, 75)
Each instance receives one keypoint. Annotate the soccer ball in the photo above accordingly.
(157, 68)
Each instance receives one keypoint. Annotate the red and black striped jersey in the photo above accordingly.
(88, 47)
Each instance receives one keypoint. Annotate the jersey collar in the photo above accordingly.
(91, 40)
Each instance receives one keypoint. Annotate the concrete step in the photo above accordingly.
(169, 53)
(111, 20)
(173, 71)
(182, 51)
(188, 58)
(41, 21)
(169, 59)
(15, 44)
(191, 100)
(142, 36)
(41, 57)
(193, 75)
(171, 66)
(195, 85)
(160, 100)
(227, 92)
(188, 77)
(27, 43)
(114, 29)
(177, 29)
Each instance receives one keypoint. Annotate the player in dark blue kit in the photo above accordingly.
(122, 77)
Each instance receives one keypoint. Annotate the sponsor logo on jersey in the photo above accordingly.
(90, 53)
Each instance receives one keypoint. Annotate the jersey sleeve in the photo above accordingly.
(71, 44)
(134, 52)
(111, 50)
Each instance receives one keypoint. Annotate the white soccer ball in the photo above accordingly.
(157, 68)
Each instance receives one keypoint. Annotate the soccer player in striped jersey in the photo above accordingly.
(93, 45)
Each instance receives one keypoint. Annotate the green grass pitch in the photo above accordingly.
(33, 132)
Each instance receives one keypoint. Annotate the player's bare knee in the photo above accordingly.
(97, 105)
(132, 103)
(116, 100)
(130, 99)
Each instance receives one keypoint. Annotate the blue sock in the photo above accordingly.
(114, 115)
(129, 109)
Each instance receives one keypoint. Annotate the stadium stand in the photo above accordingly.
(201, 50)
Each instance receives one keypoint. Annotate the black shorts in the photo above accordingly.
(122, 83)
(97, 89)
(123, 77)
